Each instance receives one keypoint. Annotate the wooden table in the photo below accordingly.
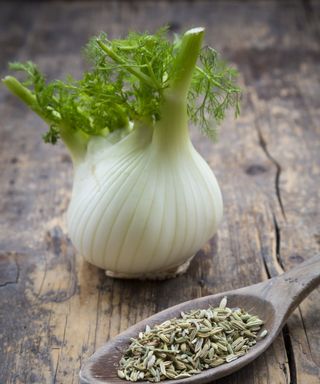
(56, 309)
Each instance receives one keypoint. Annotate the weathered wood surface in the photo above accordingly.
(55, 309)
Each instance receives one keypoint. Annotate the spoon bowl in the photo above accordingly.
(273, 301)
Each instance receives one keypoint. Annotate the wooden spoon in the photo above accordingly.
(272, 300)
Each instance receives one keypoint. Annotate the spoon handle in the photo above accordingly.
(289, 289)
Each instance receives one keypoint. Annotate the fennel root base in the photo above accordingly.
(157, 275)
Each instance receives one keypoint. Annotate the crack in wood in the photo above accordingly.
(278, 241)
(8, 283)
(56, 368)
(97, 321)
(285, 333)
(291, 376)
(290, 355)
(265, 265)
(264, 147)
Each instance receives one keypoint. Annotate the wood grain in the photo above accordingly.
(55, 308)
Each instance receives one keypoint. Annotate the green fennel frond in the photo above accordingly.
(139, 64)
(212, 92)
(34, 77)
(126, 83)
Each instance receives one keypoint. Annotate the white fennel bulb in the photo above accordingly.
(144, 201)
(136, 210)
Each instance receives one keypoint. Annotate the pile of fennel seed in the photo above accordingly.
(185, 346)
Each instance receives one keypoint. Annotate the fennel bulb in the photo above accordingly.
(143, 201)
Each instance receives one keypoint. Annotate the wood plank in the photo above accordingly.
(55, 308)
(289, 136)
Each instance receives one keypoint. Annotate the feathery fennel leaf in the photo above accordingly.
(127, 83)
(212, 92)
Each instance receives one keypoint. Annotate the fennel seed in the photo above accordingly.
(198, 340)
